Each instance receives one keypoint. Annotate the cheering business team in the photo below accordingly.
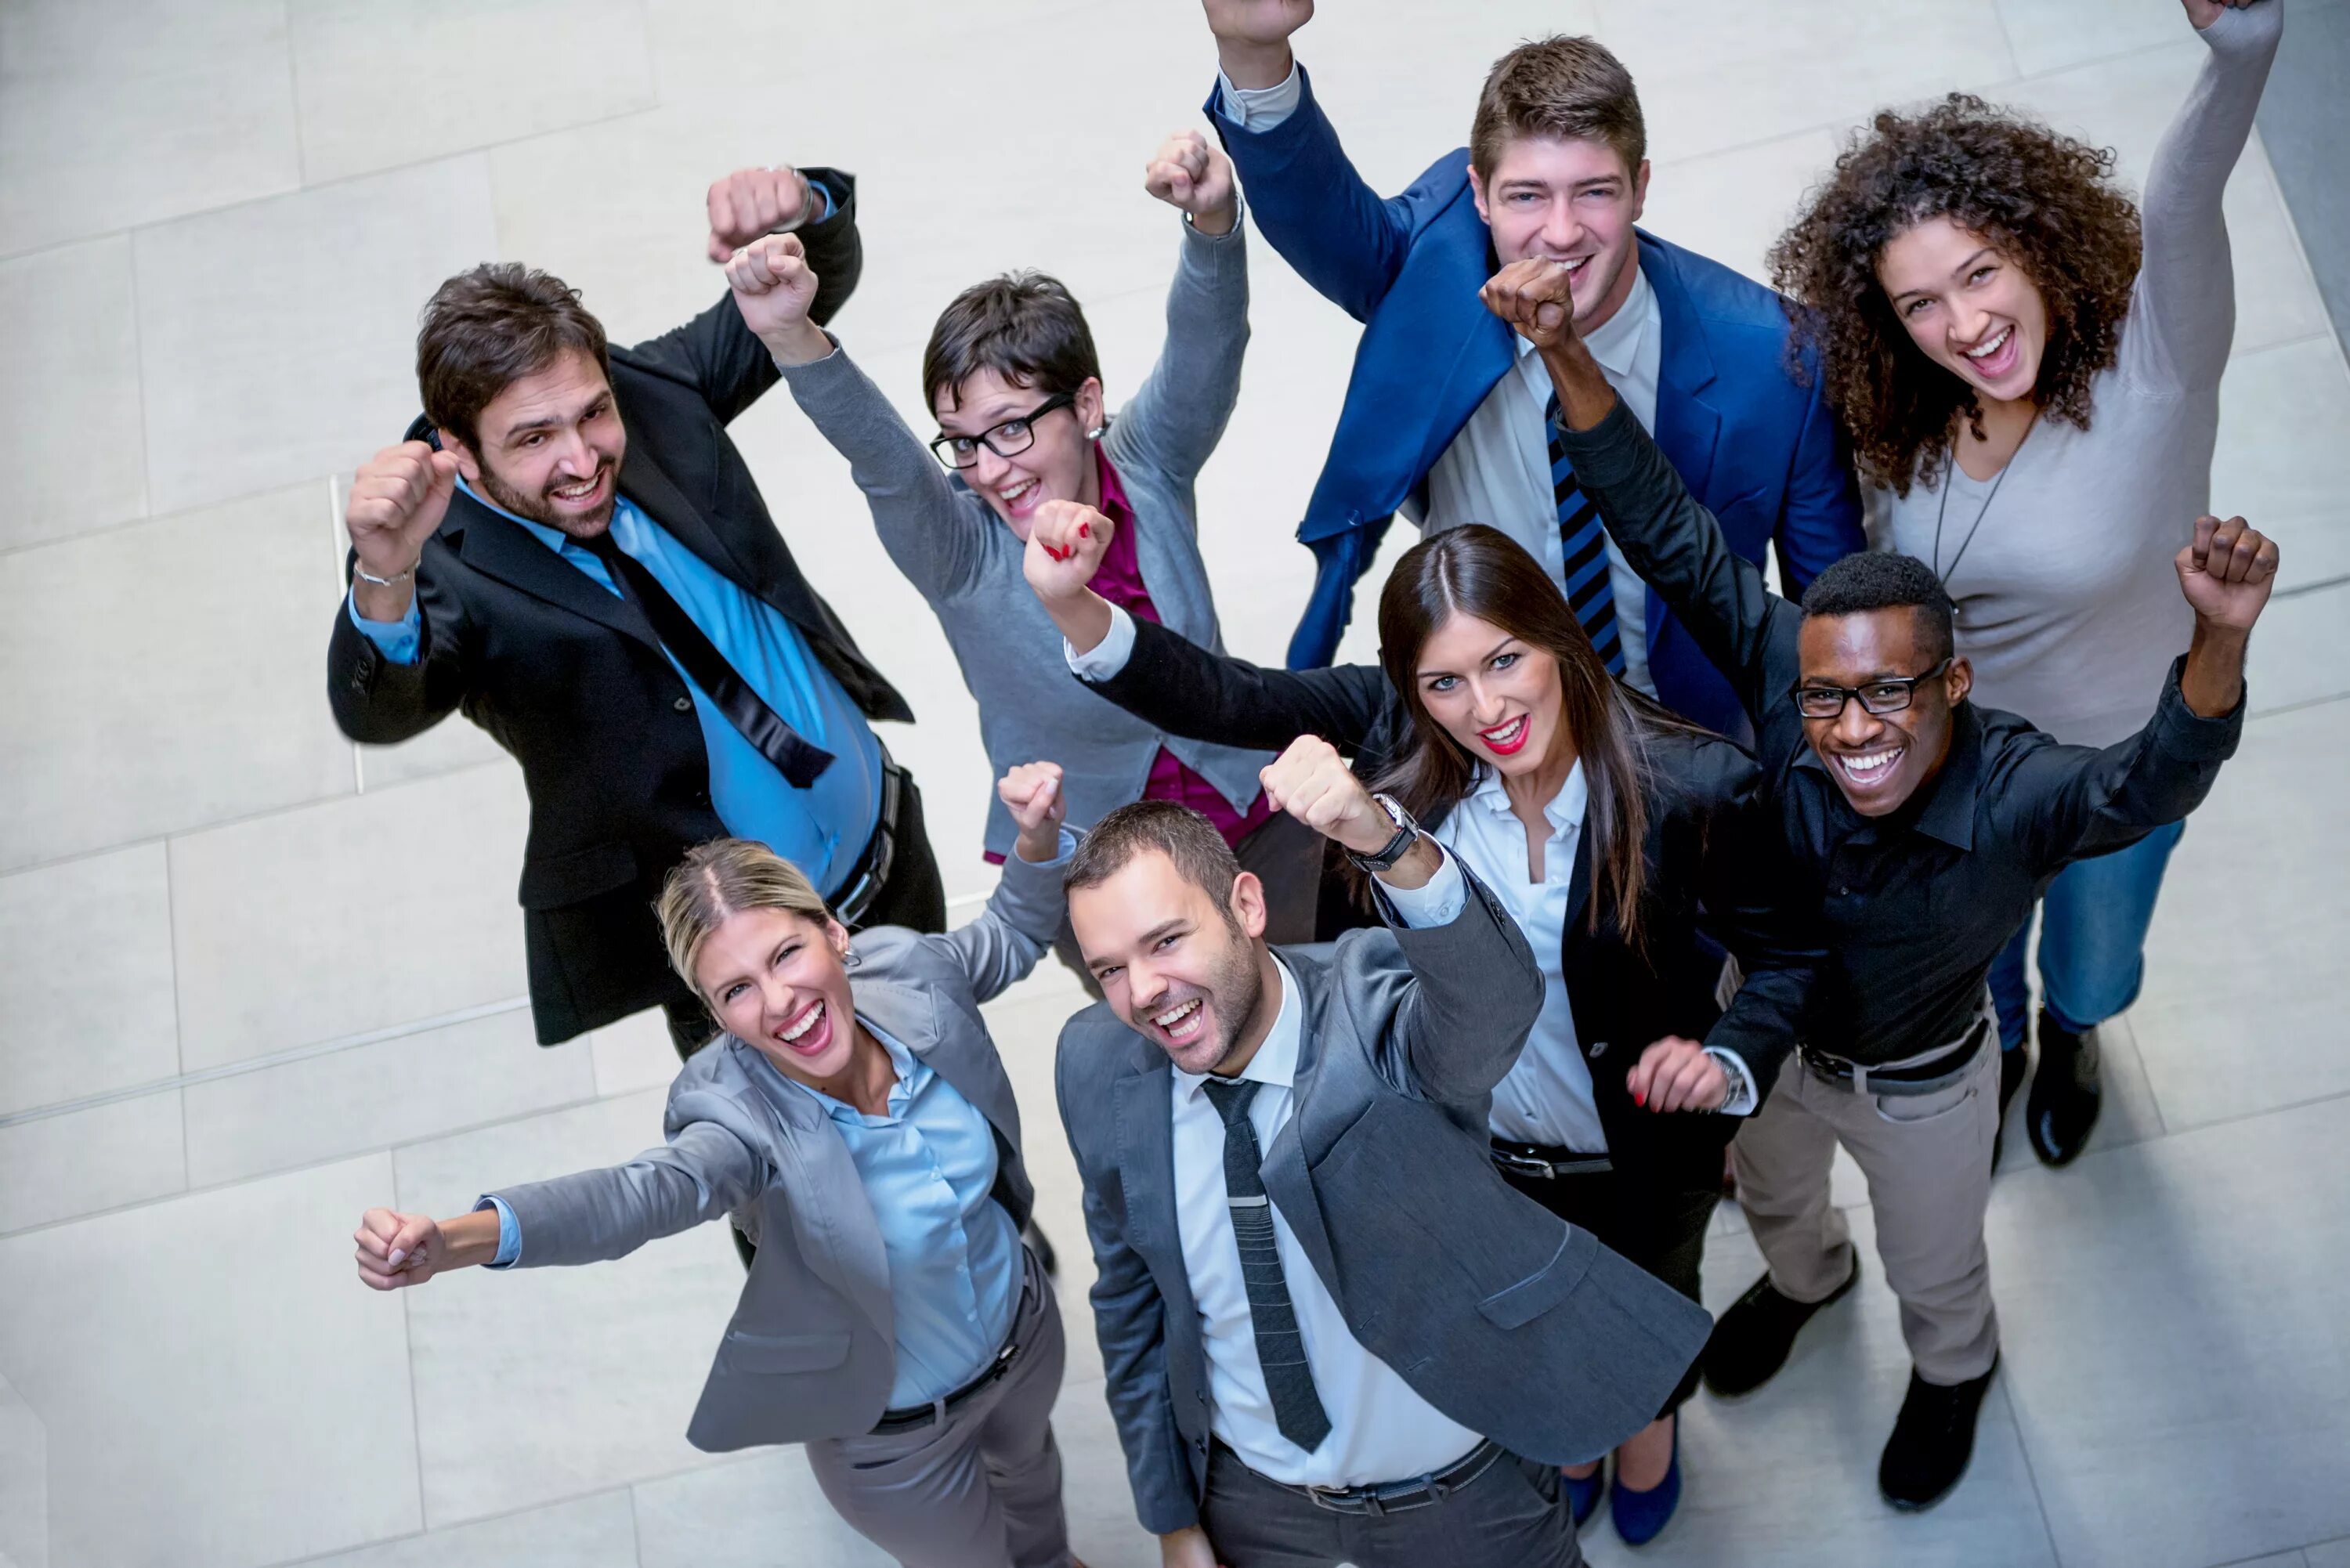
(1397, 1237)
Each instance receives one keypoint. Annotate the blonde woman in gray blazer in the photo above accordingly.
(855, 1120)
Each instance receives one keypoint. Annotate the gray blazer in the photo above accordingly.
(1502, 1317)
(966, 563)
(811, 1350)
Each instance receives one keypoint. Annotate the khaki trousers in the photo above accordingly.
(1927, 1161)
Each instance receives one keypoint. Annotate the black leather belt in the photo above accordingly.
(912, 1417)
(1545, 1162)
(871, 873)
(1394, 1496)
(1918, 1078)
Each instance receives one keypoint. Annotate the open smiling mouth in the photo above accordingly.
(1504, 739)
(1866, 770)
(1182, 1023)
(803, 1034)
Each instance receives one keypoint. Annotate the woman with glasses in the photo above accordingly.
(2029, 366)
(1012, 375)
(1621, 838)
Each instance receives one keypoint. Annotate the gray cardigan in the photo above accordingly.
(966, 562)
(812, 1350)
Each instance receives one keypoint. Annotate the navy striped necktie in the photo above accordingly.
(1584, 552)
(1280, 1351)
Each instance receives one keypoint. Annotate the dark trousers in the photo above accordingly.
(1512, 1515)
(1662, 1231)
(914, 897)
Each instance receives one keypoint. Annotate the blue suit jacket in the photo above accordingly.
(1759, 451)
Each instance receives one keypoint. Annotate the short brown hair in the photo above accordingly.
(722, 878)
(1024, 325)
(484, 329)
(1202, 856)
(1567, 88)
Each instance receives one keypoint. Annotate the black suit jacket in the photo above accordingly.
(1711, 875)
(572, 681)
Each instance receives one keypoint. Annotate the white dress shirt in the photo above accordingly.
(1380, 1430)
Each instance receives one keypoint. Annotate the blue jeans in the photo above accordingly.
(2093, 923)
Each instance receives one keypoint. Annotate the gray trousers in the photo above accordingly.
(981, 1489)
(1513, 1515)
(1927, 1161)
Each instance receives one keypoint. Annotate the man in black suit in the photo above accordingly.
(569, 548)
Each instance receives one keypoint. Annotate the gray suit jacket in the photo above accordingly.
(811, 1350)
(1502, 1317)
(966, 563)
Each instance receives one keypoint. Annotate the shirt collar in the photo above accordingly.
(1275, 1062)
(902, 1067)
(1948, 812)
(1616, 345)
(1114, 506)
(1565, 811)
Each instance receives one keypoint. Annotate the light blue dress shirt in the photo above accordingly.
(821, 829)
(955, 1267)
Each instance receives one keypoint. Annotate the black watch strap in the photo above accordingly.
(1407, 832)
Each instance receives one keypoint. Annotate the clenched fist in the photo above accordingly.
(398, 497)
(1189, 174)
(1312, 783)
(1675, 1075)
(775, 288)
(1032, 793)
(751, 202)
(1536, 298)
(2227, 572)
(398, 1249)
(1067, 542)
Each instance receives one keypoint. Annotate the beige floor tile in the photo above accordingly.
(385, 909)
(81, 1162)
(632, 1055)
(126, 114)
(597, 1368)
(24, 1482)
(1103, 1530)
(443, 81)
(394, 1091)
(2188, 1255)
(741, 1514)
(596, 1531)
(1732, 206)
(2329, 1554)
(2051, 38)
(217, 1351)
(2282, 413)
(300, 313)
(86, 1001)
(69, 428)
(159, 711)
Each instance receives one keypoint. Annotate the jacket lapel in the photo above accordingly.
(502, 549)
(1688, 425)
(1145, 1108)
(1284, 1170)
(644, 483)
(841, 1236)
(911, 1017)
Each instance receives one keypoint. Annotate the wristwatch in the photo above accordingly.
(1405, 833)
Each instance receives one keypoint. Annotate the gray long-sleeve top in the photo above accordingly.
(2067, 603)
(966, 561)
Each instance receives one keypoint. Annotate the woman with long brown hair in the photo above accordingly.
(2028, 363)
(1618, 836)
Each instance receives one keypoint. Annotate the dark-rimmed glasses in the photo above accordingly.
(1888, 696)
(1009, 438)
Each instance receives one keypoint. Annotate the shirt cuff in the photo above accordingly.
(1743, 1100)
(509, 1232)
(395, 640)
(1108, 656)
(1260, 108)
(1437, 903)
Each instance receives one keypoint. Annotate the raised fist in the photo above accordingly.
(1535, 297)
(1032, 793)
(1258, 21)
(749, 202)
(397, 499)
(1312, 783)
(399, 1250)
(1675, 1075)
(1189, 174)
(1067, 542)
(2227, 572)
(773, 288)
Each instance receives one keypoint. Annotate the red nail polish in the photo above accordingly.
(1638, 1098)
(1085, 530)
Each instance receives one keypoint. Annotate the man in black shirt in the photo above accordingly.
(1922, 828)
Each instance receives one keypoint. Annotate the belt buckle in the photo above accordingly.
(1526, 1165)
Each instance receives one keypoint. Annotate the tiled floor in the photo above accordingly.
(252, 979)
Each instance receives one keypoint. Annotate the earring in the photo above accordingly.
(850, 958)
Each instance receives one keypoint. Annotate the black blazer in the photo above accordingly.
(1709, 859)
(571, 679)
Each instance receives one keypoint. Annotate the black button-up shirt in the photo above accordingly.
(1915, 906)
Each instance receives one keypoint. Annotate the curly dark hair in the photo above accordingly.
(2048, 202)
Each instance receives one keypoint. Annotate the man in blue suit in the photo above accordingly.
(1448, 416)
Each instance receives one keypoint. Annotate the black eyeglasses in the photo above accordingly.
(1009, 438)
(1877, 697)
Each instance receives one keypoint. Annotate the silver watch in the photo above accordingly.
(1405, 833)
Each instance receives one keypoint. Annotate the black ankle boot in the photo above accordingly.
(2065, 1098)
(1751, 1341)
(1933, 1438)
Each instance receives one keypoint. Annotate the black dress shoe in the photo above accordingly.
(1753, 1337)
(1933, 1438)
(2014, 1066)
(2065, 1098)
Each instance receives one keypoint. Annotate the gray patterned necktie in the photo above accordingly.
(1297, 1408)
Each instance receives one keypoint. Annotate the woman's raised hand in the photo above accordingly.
(1032, 793)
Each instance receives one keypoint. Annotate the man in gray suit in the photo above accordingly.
(1331, 1333)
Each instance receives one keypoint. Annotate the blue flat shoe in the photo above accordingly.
(1641, 1516)
(1583, 1495)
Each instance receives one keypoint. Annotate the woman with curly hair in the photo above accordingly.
(2029, 369)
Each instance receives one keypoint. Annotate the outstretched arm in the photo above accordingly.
(1021, 917)
(1177, 416)
(393, 669)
